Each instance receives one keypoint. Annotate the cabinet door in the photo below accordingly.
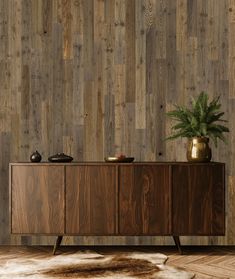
(90, 200)
(37, 199)
(198, 200)
(145, 200)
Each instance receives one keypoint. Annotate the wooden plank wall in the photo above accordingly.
(95, 77)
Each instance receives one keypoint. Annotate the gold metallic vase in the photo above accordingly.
(198, 149)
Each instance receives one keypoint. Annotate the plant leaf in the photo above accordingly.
(199, 120)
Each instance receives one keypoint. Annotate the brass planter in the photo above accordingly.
(198, 149)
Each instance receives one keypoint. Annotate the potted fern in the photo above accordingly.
(198, 124)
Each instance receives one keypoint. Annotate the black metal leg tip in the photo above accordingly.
(177, 244)
(57, 243)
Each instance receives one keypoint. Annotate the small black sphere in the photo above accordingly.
(35, 157)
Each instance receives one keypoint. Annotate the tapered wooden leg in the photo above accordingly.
(177, 243)
(57, 243)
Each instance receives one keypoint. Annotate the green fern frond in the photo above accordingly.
(199, 120)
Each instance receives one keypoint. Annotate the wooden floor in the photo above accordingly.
(205, 262)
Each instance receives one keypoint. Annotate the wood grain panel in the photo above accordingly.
(90, 200)
(37, 199)
(89, 78)
(198, 200)
(144, 198)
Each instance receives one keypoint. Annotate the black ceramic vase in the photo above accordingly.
(35, 157)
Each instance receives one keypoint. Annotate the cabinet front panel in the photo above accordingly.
(198, 200)
(37, 199)
(145, 200)
(90, 200)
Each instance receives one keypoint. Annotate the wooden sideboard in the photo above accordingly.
(124, 199)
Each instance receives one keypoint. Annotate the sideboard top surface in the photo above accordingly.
(112, 163)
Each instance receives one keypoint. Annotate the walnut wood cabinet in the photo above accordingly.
(198, 203)
(37, 199)
(131, 199)
(144, 200)
(91, 200)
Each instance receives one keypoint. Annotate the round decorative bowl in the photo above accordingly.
(119, 160)
(60, 158)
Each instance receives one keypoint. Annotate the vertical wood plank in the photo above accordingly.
(171, 53)
(161, 15)
(120, 108)
(57, 95)
(120, 27)
(130, 51)
(213, 26)
(192, 18)
(181, 24)
(231, 32)
(223, 40)
(67, 32)
(140, 99)
(109, 126)
(202, 15)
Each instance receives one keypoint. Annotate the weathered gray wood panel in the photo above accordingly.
(92, 78)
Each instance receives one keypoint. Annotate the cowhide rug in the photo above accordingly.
(93, 265)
